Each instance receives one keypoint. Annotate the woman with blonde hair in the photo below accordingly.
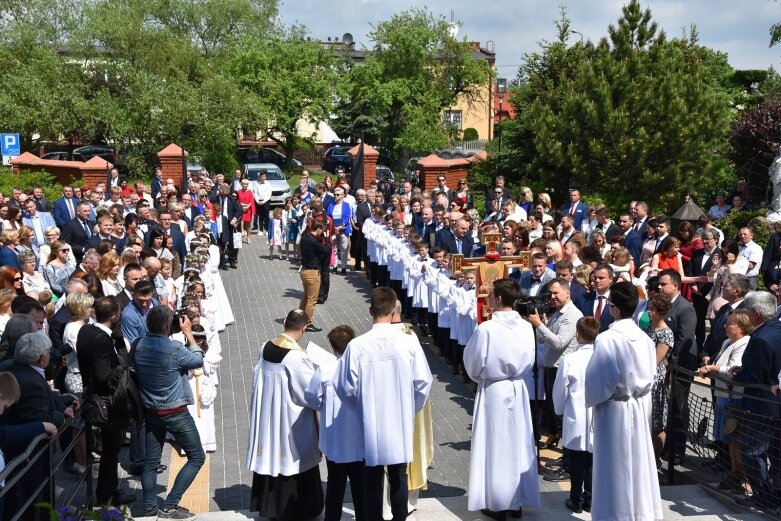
(32, 280)
(51, 234)
(526, 199)
(128, 256)
(597, 240)
(108, 273)
(26, 235)
(58, 268)
(10, 240)
(544, 199)
(79, 305)
(554, 253)
(583, 276)
(463, 194)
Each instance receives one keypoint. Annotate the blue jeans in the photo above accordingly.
(182, 427)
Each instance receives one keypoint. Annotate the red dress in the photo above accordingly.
(246, 197)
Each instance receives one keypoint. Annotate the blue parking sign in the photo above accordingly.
(10, 145)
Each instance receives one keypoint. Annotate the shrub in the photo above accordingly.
(470, 134)
(754, 219)
(27, 180)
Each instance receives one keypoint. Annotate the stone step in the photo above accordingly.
(684, 502)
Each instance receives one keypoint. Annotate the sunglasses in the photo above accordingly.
(65, 250)
(498, 193)
(441, 179)
(17, 278)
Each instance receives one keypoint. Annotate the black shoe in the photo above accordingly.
(312, 329)
(556, 464)
(320, 301)
(177, 513)
(423, 330)
(499, 516)
(516, 514)
(587, 506)
(224, 267)
(559, 475)
(575, 506)
(123, 498)
(151, 513)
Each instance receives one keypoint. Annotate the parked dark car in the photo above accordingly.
(83, 154)
(266, 155)
(335, 157)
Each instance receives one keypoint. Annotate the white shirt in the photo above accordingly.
(753, 253)
(261, 191)
(569, 399)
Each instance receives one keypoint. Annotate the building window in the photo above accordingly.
(453, 119)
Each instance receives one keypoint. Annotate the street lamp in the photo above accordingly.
(501, 88)
(578, 33)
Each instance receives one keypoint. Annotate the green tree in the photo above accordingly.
(290, 78)
(634, 116)
(413, 71)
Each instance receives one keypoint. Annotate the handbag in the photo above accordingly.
(94, 410)
(238, 239)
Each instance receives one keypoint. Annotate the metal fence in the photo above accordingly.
(739, 451)
(469, 146)
(30, 477)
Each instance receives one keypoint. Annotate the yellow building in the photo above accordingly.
(476, 113)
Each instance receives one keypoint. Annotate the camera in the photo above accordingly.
(526, 306)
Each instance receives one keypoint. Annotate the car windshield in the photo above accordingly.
(272, 174)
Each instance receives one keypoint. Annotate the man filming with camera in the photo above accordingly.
(557, 334)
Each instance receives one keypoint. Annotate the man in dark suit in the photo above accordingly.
(231, 209)
(682, 320)
(698, 267)
(427, 226)
(595, 303)
(760, 367)
(457, 239)
(64, 208)
(41, 202)
(157, 184)
(606, 226)
(38, 403)
(498, 190)
(534, 282)
(99, 357)
(167, 225)
(105, 227)
(363, 211)
(565, 271)
(640, 222)
(577, 209)
(662, 232)
(734, 290)
(629, 238)
(222, 233)
(79, 230)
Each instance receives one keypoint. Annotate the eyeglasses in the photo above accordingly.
(65, 250)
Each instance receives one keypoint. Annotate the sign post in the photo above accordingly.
(10, 147)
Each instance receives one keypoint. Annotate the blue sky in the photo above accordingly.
(739, 28)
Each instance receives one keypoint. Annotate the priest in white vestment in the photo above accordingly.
(503, 468)
(283, 449)
(618, 377)
(384, 373)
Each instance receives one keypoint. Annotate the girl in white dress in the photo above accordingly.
(276, 232)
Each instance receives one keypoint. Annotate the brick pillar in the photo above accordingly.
(95, 171)
(370, 157)
(432, 167)
(171, 163)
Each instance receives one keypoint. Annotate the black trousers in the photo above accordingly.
(337, 482)
(261, 215)
(550, 418)
(579, 464)
(397, 482)
(325, 278)
(357, 247)
(700, 305)
(111, 442)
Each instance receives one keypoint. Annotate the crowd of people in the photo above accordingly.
(111, 277)
(97, 282)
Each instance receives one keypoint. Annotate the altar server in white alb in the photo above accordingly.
(619, 375)
(283, 453)
(384, 373)
(569, 401)
(503, 470)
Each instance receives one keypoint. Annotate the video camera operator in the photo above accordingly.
(557, 333)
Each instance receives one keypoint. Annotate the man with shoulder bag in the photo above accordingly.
(110, 394)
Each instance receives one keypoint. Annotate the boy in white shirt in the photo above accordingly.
(569, 400)
(341, 439)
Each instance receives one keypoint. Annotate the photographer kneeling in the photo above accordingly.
(557, 334)
(160, 365)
